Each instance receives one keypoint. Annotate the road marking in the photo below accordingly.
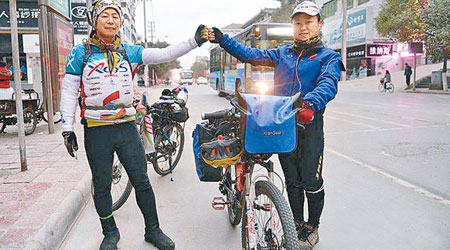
(352, 122)
(393, 178)
(372, 119)
(384, 129)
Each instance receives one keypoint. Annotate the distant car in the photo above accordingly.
(202, 80)
(140, 82)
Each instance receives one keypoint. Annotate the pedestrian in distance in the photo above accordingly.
(387, 78)
(408, 73)
(5, 82)
(102, 68)
(309, 67)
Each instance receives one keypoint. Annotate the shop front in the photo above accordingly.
(392, 57)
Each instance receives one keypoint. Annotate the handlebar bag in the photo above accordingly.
(205, 172)
(270, 125)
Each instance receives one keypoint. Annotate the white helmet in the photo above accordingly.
(98, 6)
(307, 7)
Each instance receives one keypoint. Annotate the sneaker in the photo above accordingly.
(110, 240)
(159, 240)
(308, 237)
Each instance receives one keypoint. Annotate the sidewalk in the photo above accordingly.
(398, 79)
(38, 206)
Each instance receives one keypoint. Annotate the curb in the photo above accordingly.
(427, 92)
(51, 235)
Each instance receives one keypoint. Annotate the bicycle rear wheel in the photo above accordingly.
(272, 220)
(169, 144)
(121, 186)
(390, 87)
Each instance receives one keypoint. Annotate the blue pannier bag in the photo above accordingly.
(205, 172)
(270, 124)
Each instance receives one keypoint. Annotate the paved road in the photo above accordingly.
(386, 171)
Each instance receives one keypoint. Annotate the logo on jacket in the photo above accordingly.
(102, 68)
(272, 133)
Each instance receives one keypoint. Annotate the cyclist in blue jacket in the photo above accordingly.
(103, 69)
(313, 69)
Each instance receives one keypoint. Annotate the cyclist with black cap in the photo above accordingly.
(313, 69)
(103, 68)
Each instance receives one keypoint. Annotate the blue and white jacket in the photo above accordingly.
(318, 69)
(109, 93)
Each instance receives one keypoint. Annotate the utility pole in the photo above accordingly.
(414, 80)
(45, 64)
(17, 83)
(145, 24)
(344, 39)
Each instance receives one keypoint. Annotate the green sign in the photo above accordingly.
(61, 6)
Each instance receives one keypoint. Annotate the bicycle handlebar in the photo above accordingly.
(215, 115)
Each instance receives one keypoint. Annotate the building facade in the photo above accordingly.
(367, 52)
(28, 25)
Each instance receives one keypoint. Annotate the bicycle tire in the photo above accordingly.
(30, 119)
(54, 115)
(390, 87)
(123, 195)
(381, 87)
(289, 238)
(235, 205)
(172, 163)
(2, 123)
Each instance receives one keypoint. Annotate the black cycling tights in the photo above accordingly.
(100, 144)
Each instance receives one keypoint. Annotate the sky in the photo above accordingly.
(178, 20)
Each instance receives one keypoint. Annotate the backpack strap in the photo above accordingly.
(87, 53)
(122, 51)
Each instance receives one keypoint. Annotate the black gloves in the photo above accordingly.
(70, 140)
(217, 34)
(201, 35)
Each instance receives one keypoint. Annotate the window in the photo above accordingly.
(349, 4)
(329, 8)
(362, 1)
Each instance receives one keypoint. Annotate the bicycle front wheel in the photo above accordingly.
(56, 115)
(269, 224)
(381, 87)
(169, 144)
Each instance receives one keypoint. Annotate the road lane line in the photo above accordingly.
(352, 122)
(372, 119)
(393, 178)
(384, 129)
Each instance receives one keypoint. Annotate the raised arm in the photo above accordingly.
(245, 54)
(162, 55)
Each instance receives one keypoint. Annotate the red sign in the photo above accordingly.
(63, 44)
(379, 49)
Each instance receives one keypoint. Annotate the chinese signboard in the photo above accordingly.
(357, 51)
(356, 30)
(63, 43)
(61, 6)
(415, 47)
(27, 15)
(80, 24)
(356, 27)
(379, 49)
